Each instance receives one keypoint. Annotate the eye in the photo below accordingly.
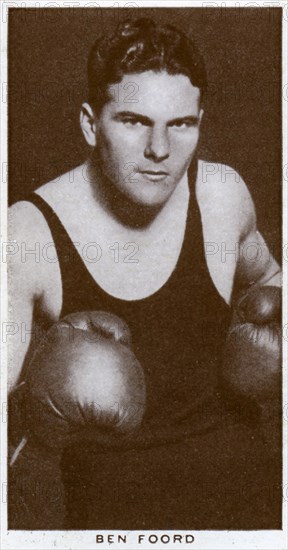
(132, 123)
(182, 125)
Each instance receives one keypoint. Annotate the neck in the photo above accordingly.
(123, 210)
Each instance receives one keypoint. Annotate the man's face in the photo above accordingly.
(146, 146)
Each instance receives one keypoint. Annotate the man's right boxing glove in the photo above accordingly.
(83, 381)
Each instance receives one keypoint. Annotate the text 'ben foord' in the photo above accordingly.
(151, 538)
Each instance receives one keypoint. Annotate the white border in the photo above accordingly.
(261, 540)
(4, 300)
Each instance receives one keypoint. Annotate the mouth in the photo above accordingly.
(154, 175)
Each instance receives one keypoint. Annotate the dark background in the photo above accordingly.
(48, 50)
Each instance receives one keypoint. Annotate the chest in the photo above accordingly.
(130, 264)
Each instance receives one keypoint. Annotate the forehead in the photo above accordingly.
(156, 95)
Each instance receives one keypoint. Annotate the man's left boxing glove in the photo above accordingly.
(252, 355)
(83, 380)
(251, 368)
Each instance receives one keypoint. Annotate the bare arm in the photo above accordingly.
(256, 263)
(24, 285)
(237, 255)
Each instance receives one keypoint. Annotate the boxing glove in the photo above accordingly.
(83, 381)
(252, 357)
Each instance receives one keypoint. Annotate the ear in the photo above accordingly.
(200, 116)
(88, 124)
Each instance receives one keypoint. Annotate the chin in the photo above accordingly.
(149, 203)
(151, 198)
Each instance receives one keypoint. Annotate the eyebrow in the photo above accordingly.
(193, 119)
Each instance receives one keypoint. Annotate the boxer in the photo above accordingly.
(127, 235)
(158, 136)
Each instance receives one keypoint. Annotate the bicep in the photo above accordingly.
(23, 289)
(18, 328)
(237, 254)
(256, 262)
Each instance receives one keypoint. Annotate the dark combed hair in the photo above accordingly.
(138, 46)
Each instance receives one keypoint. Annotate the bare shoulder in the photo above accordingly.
(26, 224)
(32, 259)
(25, 218)
(25, 221)
(65, 188)
(29, 237)
(223, 196)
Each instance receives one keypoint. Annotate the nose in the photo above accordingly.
(158, 147)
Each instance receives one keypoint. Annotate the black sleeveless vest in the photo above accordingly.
(178, 332)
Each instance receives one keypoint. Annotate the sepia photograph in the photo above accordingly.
(144, 251)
